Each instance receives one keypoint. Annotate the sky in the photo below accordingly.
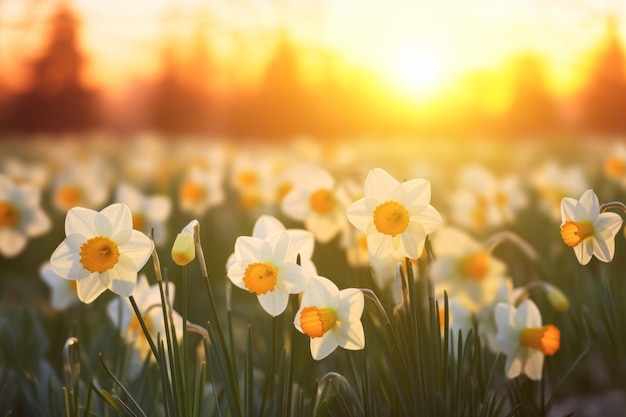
(416, 45)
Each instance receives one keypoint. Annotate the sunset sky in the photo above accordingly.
(417, 46)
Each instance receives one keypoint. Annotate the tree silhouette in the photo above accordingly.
(604, 97)
(55, 100)
(533, 108)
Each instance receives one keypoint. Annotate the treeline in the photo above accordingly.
(339, 104)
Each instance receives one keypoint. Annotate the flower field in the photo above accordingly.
(183, 277)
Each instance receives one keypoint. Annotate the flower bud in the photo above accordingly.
(184, 249)
(557, 298)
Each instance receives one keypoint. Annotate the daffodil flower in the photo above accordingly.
(21, 216)
(101, 251)
(587, 230)
(148, 300)
(148, 211)
(331, 317)
(263, 267)
(396, 216)
(523, 339)
(465, 269)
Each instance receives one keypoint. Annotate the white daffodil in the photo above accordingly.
(148, 300)
(554, 182)
(200, 190)
(147, 211)
(301, 242)
(615, 164)
(81, 185)
(62, 291)
(523, 339)
(396, 216)
(316, 200)
(264, 267)
(101, 251)
(587, 230)
(465, 269)
(21, 216)
(331, 317)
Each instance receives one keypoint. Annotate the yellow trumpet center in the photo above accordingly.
(99, 254)
(9, 214)
(192, 192)
(475, 266)
(139, 221)
(69, 196)
(247, 179)
(575, 232)
(316, 321)
(547, 339)
(615, 167)
(260, 278)
(391, 218)
(322, 201)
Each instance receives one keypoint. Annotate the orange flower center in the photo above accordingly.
(99, 254)
(575, 232)
(317, 321)
(282, 190)
(9, 214)
(260, 278)
(139, 221)
(475, 266)
(192, 192)
(322, 201)
(614, 167)
(391, 218)
(247, 179)
(547, 339)
(69, 196)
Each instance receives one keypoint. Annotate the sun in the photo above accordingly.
(415, 71)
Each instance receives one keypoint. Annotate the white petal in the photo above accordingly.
(324, 227)
(66, 254)
(89, 288)
(589, 200)
(603, 249)
(247, 249)
(302, 242)
(321, 292)
(584, 251)
(359, 215)
(607, 225)
(266, 225)
(527, 315)
(274, 302)
(380, 245)
(323, 346)
(417, 193)
(158, 209)
(534, 364)
(411, 240)
(12, 242)
(236, 274)
(280, 247)
(293, 278)
(351, 335)
(351, 303)
(122, 278)
(380, 184)
(39, 223)
(513, 366)
(139, 248)
(296, 204)
(568, 209)
(429, 219)
(81, 221)
(119, 216)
